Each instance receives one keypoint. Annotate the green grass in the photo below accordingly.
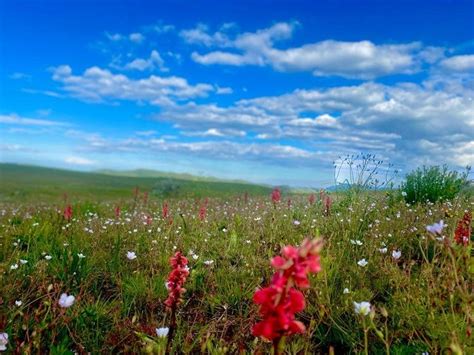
(30, 183)
(427, 293)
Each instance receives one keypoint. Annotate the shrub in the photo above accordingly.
(433, 184)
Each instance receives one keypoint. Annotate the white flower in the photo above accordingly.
(436, 228)
(48, 257)
(162, 332)
(14, 267)
(383, 250)
(396, 254)
(346, 291)
(296, 223)
(66, 301)
(23, 261)
(18, 303)
(362, 308)
(3, 341)
(209, 262)
(131, 255)
(362, 262)
(195, 257)
(404, 193)
(81, 256)
(167, 285)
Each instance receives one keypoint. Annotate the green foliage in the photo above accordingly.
(422, 302)
(433, 184)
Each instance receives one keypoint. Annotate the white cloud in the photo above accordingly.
(136, 37)
(155, 61)
(459, 63)
(360, 59)
(14, 119)
(97, 84)
(75, 160)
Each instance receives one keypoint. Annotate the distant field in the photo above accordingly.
(27, 183)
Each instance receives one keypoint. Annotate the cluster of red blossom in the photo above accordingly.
(463, 229)
(176, 280)
(280, 301)
(276, 195)
(68, 213)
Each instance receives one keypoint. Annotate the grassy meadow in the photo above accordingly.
(420, 285)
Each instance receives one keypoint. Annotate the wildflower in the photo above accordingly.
(202, 212)
(68, 213)
(3, 341)
(463, 229)
(81, 256)
(383, 250)
(362, 262)
(165, 210)
(48, 257)
(18, 303)
(23, 261)
(280, 301)
(117, 211)
(396, 254)
(327, 205)
(209, 262)
(176, 280)
(14, 267)
(276, 195)
(131, 255)
(346, 291)
(66, 301)
(162, 332)
(436, 228)
(296, 223)
(362, 308)
(404, 194)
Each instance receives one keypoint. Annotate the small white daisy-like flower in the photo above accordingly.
(14, 267)
(131, 255)
(162, 332)
(81, 256)
(436, 228)
(23, 261)
(362, 308)
(362, 262)
(18, 303)
(3, 341)
(209, 262)
(346, 291)
(396, 254)
(48, 257)
(66, 301)
(383, 250)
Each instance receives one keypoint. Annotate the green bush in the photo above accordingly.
(433, 183)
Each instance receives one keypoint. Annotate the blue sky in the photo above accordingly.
(268, 91)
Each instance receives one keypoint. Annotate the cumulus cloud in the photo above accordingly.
(97, 84)
(14, 119)
(459, 63)
(154, 61)
(75, 160)
(360, 59)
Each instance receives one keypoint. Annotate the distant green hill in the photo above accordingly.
(155, 173)
(33, 183)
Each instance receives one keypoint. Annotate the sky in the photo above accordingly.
(267, 91)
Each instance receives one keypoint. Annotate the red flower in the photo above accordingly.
(176, 280)
(311, 199)
(67, 213)
(202, 212)
(280, 301)
(165, 210)
(117, 212)
(276, 195)
(462, 234)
